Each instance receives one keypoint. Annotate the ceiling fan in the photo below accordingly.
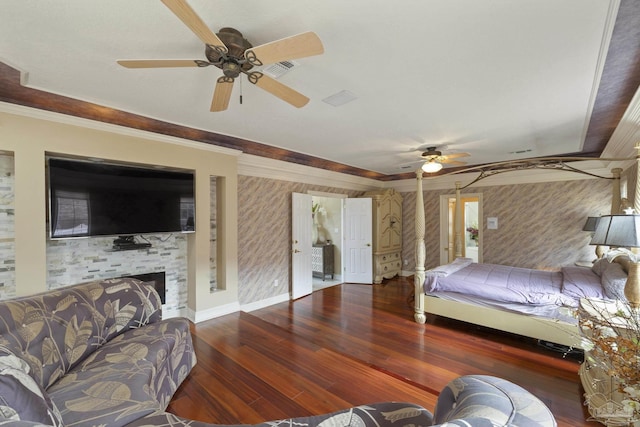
(434, 159)
(233, 54)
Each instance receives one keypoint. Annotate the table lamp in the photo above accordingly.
(590, 226)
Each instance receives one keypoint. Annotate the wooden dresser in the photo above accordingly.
(387, 233)
(322, 261)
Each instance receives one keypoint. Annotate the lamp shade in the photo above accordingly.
(431, 166)
(618, 230)
(591, 224)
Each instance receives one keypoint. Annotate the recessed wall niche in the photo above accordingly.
(79, 260)
(7, 234)
(213, 267)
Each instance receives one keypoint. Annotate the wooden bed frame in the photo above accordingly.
(555, 331)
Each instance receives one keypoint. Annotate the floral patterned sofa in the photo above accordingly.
(91, 354)
(98, 354)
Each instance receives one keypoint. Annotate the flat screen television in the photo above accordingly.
(99, 199)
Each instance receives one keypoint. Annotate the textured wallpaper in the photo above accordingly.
(539, 225)
(264, 234)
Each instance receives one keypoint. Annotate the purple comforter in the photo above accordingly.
(502, 283)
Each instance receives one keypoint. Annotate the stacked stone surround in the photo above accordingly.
(71, 261)
(7, 234)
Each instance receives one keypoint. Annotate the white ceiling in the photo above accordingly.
(488, 77)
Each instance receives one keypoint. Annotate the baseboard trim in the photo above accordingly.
(256, 305)
(212, 313)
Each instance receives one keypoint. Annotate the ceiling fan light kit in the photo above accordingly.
(233, 54)
(434, 159)
(431, 166)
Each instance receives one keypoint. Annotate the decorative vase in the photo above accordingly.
(314, 233)
(632, 286)
(321, 237)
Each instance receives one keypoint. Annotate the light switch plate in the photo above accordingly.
(492, 223)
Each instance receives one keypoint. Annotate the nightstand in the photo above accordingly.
(322, 261)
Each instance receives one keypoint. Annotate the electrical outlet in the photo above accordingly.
(406, 262)
(275, 283)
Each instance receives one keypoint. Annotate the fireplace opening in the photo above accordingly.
(157, 279)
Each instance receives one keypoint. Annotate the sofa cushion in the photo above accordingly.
(21, 397)
(56, 330)
(134, 374)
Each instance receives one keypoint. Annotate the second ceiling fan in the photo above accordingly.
(434, 159)
(233, 54)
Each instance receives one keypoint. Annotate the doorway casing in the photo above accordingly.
(447, 206)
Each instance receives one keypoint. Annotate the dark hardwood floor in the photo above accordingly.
(356, 344)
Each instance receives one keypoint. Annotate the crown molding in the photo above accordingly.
(51, 116)
(262, 167)
(627, 134)
(620, 146)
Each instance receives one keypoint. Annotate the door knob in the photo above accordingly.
(295, 251)
(368, 244)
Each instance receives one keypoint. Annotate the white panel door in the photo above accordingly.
(301, 223)
(358, 239)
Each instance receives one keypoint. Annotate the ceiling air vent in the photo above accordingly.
(279, 68)
(340, 98)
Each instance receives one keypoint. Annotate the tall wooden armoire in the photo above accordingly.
(387, 233)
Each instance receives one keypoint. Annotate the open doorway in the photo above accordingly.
(471, 233)
(333, 244)
(326, 238)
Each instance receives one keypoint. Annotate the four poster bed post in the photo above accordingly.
(421, 252)
(552, 330)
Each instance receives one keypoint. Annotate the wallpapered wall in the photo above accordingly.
(539, 225)
(264, 234)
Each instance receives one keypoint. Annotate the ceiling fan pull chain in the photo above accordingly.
(240, 91)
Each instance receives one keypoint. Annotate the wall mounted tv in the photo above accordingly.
(100, 199)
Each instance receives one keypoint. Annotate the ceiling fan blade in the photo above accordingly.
(276, 88)
(221, 94)
(298, 46)
(158, 63)
(457, 155)
(453, 162)
(182, 10)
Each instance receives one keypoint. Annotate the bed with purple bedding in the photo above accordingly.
(534, 303)
(508, 284)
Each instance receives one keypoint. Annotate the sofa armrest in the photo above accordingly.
(497, 401)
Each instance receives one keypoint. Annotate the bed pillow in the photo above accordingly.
(455, 265)
(613, 281)
(21, 397)
(600, 265)
(580, 282)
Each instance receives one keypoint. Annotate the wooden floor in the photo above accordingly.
(355, 344)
